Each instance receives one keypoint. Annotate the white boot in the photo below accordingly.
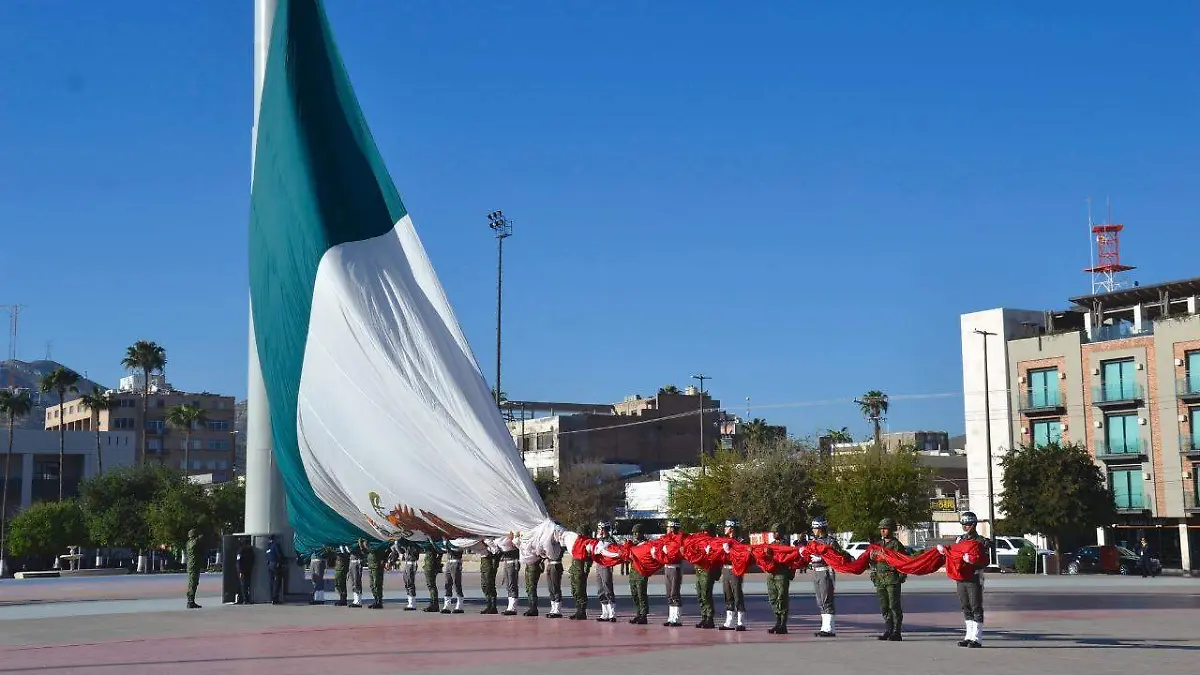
(728, 621)
(355, 599)
(553, 609)
(446, 606)
(739, 620)
(826, 624)
(412, 603)
(977, 632)
(512, 605)
(458, 604)
(967, 631)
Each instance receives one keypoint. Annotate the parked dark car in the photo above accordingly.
(1107, 560)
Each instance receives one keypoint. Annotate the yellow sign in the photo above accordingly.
(943, 504)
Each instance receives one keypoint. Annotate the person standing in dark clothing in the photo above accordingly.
(245, 570)
(275, 570)
(1145, 555)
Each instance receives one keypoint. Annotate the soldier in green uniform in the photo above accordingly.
(887, 583)
(341, 565)
(489, 565)
(192, 551)
(638, 583)
(779, 585)
(432, 566)
(376, 558)
(706, 579)
(533, 575)
(580, 569)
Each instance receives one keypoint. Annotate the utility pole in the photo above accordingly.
(702, 378)
(987, 436)
(502, 227)
(14, 311)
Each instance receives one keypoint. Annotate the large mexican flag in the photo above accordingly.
(381, 419)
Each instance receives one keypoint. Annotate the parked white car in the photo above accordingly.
(1007, 548)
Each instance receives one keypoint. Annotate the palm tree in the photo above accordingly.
(756, 430)
(185, 417)
(501, 398)
(14, 403)
(98, 401)
(839, 435)
(147, 357)
(669, 389)
(60, 381)
(874, 405)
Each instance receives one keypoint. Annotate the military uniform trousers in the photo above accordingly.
(779, 589)
(376, 571)
(674, 579)
(316, 574)
(356, 576)
(533, 574)
(193, 580)
(889, 604)
(410, 577)
(454, 579)
(970, 596)
(275, 573)
(339, 582)
(706, 580)
(604, 579)
(554, 580)
(431, 584)
(487, 578)
(732, 586)
(637, 589)
(823, 581)
(512, 571)
(579, 574)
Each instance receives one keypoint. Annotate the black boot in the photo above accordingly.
(775, 629)
(887, 633)
(532, 611)
(896, 636)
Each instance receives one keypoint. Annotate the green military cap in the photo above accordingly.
(710, 528)
(888, 523)
(637, 529)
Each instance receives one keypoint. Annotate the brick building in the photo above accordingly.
(1118, 372)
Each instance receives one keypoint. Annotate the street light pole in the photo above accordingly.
(702, 378)
(502, 227)
(987, 436)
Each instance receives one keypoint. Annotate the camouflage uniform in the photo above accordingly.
(341, 565)
(376, 558)
(432, 567)
(579, 575)
(489, 565)
(533, 574)
(192, 551)
(887, 582)
(638, 584)
(706, 579)
(779, 585)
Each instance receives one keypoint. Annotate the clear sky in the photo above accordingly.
(797, 199)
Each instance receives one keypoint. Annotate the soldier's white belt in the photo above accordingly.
(512, 562)
(453, 562)
(674, 567)
(553, 562)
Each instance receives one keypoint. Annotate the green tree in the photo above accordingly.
(228, 507)
(149, 358)
(60, 381)
(116, 504)
(1056, 490)
(756, 432)
(180, 507)
(874, 406)
(46, 529)
(98, 401)
(770, 482)
(668, 389)
(186, 417)
(500, 397)
(583, 495)
(858, 489)
(14, 403)
(839, 435)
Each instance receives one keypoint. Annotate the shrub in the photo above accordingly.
(1026, 560)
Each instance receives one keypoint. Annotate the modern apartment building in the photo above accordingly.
(212, 444)
(1118, 372)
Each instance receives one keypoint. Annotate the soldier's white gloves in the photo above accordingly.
(967, 558)
(941, 549)
(815, 558)
(725, 547)
(708, 549)
(654, 552)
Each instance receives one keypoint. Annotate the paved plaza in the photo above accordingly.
(128, 625)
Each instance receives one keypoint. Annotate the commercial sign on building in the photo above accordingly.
(943, 504)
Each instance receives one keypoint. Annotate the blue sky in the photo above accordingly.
(798, 199)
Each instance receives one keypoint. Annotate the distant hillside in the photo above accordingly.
(28, 375)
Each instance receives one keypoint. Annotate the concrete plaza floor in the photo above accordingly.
(1089, 625)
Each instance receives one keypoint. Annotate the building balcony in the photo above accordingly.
(1120, 331)
(1042, 402)
(1132, 450)
(1118, 396)
(1189, 445)
(1187, 388)
(1131, 504)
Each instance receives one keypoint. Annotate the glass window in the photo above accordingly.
(1043, 388)
(1127, 488)
(1117, 380)
(1121, 434)
(1193, 372)
(1046, 432)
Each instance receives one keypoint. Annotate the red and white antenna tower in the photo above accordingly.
(1105, 245)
